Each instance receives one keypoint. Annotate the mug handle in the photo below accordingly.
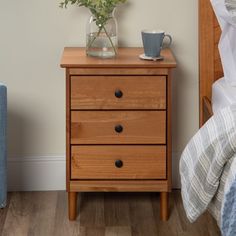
(170, 40)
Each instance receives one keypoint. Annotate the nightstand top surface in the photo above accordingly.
(127, 57)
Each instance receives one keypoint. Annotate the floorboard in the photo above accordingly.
(3, 214)
(116, 209)
(99, 214)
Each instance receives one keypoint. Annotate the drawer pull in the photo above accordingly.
(118, 163)
(118, 128)
(118, 93)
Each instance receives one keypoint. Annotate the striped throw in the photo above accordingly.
(205, 165)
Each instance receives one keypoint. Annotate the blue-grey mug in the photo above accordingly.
(153, 42)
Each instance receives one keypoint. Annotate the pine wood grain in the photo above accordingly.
(98, 162)
(98, 92)
(76, 57)
(169, 131)
(206, 51)
(102, 214)
(217, 30)
(142, 111)
(209, 59)
(72, 205)
(98, 127)
(68, 128)
(164, 206)
(118, 71)
(207, 109)
(119, 185)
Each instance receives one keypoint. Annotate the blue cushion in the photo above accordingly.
(3, 148)
(228, 217)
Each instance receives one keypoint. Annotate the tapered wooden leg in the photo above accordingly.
(72, 205)
(164, 214)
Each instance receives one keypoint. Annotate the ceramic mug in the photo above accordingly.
(153, 42)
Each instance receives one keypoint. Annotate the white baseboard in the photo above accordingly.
(41, 173)
(45, 173)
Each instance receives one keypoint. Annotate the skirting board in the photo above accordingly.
(47, 173)
(41, 173)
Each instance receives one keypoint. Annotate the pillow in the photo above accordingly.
(225, 11)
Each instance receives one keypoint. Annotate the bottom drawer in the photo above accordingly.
(118, 162)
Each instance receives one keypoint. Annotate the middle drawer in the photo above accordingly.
(118, 127)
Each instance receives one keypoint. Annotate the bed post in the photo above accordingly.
(206, 55)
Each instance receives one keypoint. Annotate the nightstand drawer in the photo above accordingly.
(118, 127)
(118, 162)
(118, 92)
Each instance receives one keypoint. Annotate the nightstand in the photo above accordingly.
(118, 124)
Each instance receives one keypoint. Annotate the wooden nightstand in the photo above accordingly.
(118, 124)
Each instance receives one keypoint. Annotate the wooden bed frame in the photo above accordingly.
(209, 58)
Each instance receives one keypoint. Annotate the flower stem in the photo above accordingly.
(92, 41)
(94, 38)
(110, 40)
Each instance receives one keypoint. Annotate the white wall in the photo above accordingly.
(32, 36)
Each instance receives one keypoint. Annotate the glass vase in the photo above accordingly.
(102, 38)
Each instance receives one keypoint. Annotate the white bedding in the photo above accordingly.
(225, 13)
(223, 95)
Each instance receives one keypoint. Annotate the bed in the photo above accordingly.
(208, 162)
(214, 92)
(210, 67)
(223, 95)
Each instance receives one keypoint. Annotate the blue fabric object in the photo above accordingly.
(228, 220)
(3, 148)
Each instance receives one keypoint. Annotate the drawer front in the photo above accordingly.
(118, 92)
(118, 127)
(118, 162)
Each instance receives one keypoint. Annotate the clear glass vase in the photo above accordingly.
(102, 38)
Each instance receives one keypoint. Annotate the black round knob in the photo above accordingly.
(118, 163)
(118, 93)
(118, 128)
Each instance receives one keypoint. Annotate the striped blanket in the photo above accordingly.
(205, 165)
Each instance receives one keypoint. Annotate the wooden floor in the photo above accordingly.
(105, 214)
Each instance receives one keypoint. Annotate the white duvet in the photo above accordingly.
(225, 11)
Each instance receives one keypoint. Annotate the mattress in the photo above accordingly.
(223, 95)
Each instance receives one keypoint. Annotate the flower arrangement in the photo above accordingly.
(101, 10)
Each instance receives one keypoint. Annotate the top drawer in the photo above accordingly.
(118, 92)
